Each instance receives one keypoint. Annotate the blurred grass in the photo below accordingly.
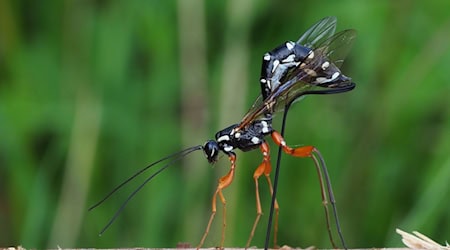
(91, 91)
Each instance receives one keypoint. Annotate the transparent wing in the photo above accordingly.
(319, 32)
(276, 102)
(334, 49)
(298, 83)
(337, 47)
(257, 110)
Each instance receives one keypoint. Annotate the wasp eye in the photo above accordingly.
(211, 149)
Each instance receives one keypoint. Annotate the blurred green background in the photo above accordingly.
(92, 91)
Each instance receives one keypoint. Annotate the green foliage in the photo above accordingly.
(92, 91)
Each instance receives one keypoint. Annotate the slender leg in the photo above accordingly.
(264, 168)
(313, 153)
(224, 182)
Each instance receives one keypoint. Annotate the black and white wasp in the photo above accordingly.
(290, 71)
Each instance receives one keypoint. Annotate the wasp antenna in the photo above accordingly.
(177, 154)
(176, 157)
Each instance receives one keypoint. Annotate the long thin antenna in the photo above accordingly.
(189, 150)
(176, 157)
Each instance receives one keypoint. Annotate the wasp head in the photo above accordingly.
(211, 149)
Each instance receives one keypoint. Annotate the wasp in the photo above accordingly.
(289, 72)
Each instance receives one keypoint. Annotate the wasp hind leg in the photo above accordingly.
(314, 154)
(224, 182)
(264, 168)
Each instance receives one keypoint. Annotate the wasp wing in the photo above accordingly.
(300, 81)
(319, 32)
(337, 47)
(320, 35)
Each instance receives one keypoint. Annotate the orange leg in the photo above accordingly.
(313, 153)
(264, 168)
(224, 182)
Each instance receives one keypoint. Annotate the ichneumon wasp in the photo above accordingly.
(288, 73)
